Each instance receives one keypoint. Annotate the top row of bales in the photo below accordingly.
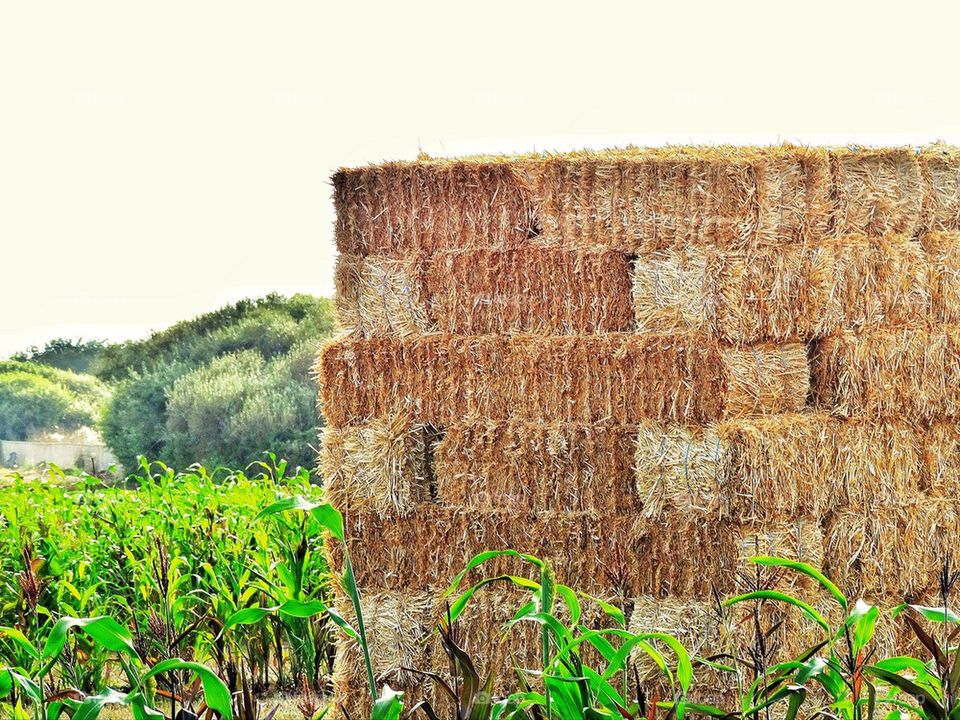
(638, 200)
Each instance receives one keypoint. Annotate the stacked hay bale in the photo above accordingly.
(642, 365)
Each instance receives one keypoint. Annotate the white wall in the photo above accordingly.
(89, 457)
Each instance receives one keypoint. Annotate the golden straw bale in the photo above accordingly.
(670, 291)
(941, 459)
(780, 466)
(780, 294)
(650, 199)
(875, 463)
(900, 372)
(940, 167)
(891, 554)
(601, 554)
(797, 291)
(881, 281)
(399, 630)
(875, 191)
(379, 466)
(800, 540)
(381, 296)
(535, 290)
(699, 625)
(614, 377)
(481, 631)
(677, 468)
(432, 205)
(943, 252)
(764, 378)
(536, 466)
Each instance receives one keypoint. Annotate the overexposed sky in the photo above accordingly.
(158, 160)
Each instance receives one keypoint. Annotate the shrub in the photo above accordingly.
(239, 406)
(134, 420)
(63, 353)
(271, 325)
(30, 401)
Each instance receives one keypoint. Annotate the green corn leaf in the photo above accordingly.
(806, 609)
(936, 614)
(21, 641)
(480, 558)
(104, 630)
(389, 706)
(215, 692)
(807, 570)
(90, 707)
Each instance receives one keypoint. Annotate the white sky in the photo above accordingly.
(158, 160)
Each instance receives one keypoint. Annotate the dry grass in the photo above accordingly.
(442, 379)
(621, 556)
(912, 373)
(537, 466)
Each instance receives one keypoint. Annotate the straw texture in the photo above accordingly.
(575, 466)
(622, 555)
(798, 291)
(644, 366)
(901, 372)
(613, 377)
(380, 466)
(783, 466)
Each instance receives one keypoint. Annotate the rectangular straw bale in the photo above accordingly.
(875, 463)
(891, 554)
(431, 205)
(809, 291)
(534, 290)
(943, 253)
(481, 631)
(536, 466)
(941, 459)
(699, 625)
(796, 291)
(799, 539)
(900, 372)
(677, 468)
(399, 630)
(875, 191)
(940, 168)
(380, 466)
(777, 467)
(381, 295)
(670, 292)
(650, 199)
(615, 377)
(601, 554)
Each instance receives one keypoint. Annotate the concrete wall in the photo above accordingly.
(86, 456)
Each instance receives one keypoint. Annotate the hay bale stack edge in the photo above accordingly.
(607, 358)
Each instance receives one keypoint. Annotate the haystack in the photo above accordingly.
(645, 366)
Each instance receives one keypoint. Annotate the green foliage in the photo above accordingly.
(134, 421)
(221, 389)
(75, 355)
(227, 412)
(93, 576)
(37, 397)
(271, 325)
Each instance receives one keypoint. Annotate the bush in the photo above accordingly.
(134, 421)
(33, 398)
(75, 355)
(239, 406)
(271, 325)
